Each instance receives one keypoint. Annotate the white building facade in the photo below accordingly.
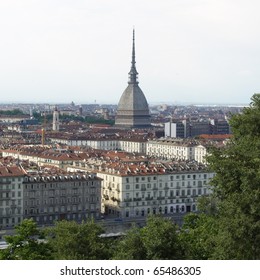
(140, 195)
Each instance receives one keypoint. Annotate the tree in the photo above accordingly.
(72, 241)
(160, 239)
(157, 240)
(237, 187)
(198, 232)
(26, 244)
(131, 246)
(15, 112)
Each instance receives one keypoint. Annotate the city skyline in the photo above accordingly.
(186, 53)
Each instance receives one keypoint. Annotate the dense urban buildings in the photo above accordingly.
(87, 160)
(77, 170)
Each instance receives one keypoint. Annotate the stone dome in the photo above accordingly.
(133, 109)
(133, 99)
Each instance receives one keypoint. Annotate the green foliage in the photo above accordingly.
(197, 236)
(25, 244)
(68, 118)
(237, 187)
(131, 246)
(40, 118)
(158, 240)
(15, 112)
(94, 120)
(72, 241)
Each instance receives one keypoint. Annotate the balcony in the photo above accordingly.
(149, 198)
(137, 198)
(127, 199)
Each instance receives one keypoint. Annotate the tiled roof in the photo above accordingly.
(11, 171)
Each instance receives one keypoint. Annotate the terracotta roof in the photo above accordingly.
(11, 171)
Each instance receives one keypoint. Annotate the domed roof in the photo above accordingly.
(133, 109)
(133, 99)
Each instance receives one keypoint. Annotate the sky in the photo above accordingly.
(187, 51)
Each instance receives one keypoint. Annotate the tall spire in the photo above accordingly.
(133, 79)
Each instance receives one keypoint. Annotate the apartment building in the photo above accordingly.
(56, 197)
(43, 156)
(171, 149)
(47, 196)
(135, 190)
(11, 196)
(177, 149)
(128, 145)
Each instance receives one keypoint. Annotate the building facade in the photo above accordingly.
(11, 196)
(158, 191)
(136, 190)
(170, 149)
(74, 197)
(47, 198)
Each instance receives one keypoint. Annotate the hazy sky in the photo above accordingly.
(195, 51)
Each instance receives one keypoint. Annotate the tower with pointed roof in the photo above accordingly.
(133, 109)
(55, 122)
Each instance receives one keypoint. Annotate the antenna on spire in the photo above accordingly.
(133, 72)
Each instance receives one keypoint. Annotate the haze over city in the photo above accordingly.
(198, 52)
